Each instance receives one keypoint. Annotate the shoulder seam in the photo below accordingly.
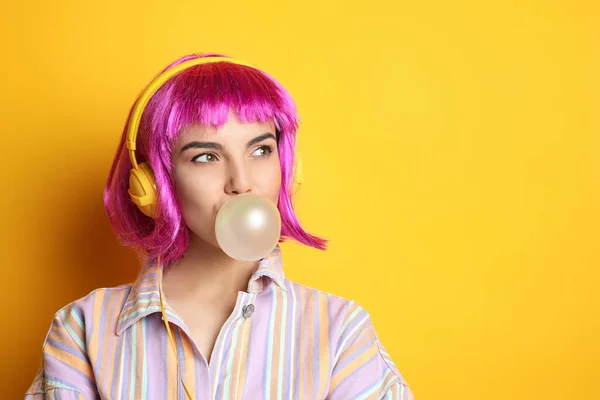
(54, 387)
(401, 379)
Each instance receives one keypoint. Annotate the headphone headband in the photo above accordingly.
(140, 105)
(142, 182)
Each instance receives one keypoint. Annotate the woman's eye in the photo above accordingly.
(263, 151)
(205, 158)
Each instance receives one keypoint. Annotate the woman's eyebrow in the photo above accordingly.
(202, 145)
(260, 138)
(219, 146)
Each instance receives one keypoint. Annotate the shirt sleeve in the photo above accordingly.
(362, 367)
(65, 371)
(398, 391)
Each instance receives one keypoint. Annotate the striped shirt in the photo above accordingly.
(298, 343)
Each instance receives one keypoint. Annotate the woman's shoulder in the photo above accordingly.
(350, 323)
(339, 309)
(312, 291)
(99, 303)
(71, 336)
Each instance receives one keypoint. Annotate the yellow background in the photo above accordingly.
(451, 155)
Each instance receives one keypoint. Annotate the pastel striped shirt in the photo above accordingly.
(298, 343)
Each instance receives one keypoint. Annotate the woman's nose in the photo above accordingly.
(238, 179)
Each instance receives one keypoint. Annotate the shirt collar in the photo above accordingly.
(144, 297)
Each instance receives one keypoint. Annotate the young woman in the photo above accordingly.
(198, 324)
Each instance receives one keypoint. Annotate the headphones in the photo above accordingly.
(142, 182)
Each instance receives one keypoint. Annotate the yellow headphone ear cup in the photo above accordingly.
(298, 173)
(142, 188)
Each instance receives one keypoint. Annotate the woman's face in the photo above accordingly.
(210, 166)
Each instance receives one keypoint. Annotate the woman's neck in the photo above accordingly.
(206, 272)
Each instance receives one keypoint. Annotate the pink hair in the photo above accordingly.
(201, 94)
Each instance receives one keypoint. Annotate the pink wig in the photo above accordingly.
(200, 94)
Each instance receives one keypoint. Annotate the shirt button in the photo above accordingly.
(248, 310)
